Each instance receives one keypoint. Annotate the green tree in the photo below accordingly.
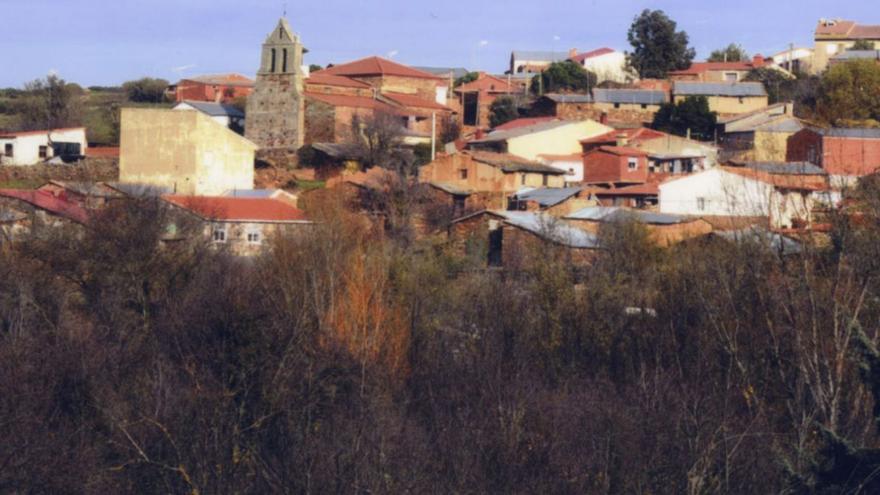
(850, 91)
(146, 90)
(657, 47)
(564, 76)
(731, 53)
(691, 114)
(778, 84)
(48, 104)
(502, 110)
(863, 45)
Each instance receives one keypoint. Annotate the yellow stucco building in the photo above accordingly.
(184, 151)
(558, 137)
(725, 98)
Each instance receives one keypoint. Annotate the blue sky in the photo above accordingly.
(110, 41)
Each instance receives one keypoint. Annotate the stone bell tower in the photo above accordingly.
(274, 117)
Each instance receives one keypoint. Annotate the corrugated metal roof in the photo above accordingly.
(547, 196)
(631, 96)
(761, 235)
(616, 213)
(214, 109)
(688, 88)
(789, 168)
(550, 228)
(569, 98)
(249, 193)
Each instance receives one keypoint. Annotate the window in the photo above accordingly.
(644, 106)
(272, 69)
(617, 105)
(462, 174)
(523, 180)
(44, 152)
(284, 60)
(633, 164)
(544, 179)
(701, 204)
(741, 100)
(253, 237)
(219, 234)
(731, 77)
(571, 171)
(254, 234)
(8, 151)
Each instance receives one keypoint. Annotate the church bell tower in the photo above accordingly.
(274, 117)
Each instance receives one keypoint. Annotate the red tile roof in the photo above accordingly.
(488, 82)
(352, 101)
(376, 66)
(332, 80)
(48, 202)
(415, 101)
(622, 151)
(10, 135)
(783, 181)
(834, 28)
(701, 67)
(238, 209)
(222, 80)
(636, 135)
(513, 124)
(102, 152)
(594, 53)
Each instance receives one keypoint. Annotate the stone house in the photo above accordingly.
(32, 147)
(835, 36)
(511, 238)
(186, 152)
(666, 153)
(88, 195)
(489, 177)
(243, 226)
(845, 153)
(664, 229)
(725, 98)
(33, 212)
(785, 193)
(218, 88)
(555, 201)
(476, 98)
(606, 105)
(719, 71)
(558, 137)
(759, 136)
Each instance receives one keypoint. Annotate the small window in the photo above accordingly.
(633, 164)
(571, 171)
(544, 179)
(731, 76)
(741, 100)
(523, 180)
(253, 237)
(44, 151)
(462, 174)
(644, 106)
(617, 105)
(219, 234)
(8, 151)
(701, 204)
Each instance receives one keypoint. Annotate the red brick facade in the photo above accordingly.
(611, 164)
(837, 155)
(221, 89)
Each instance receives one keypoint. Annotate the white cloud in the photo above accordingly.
(392, 54)
(183, 68)
(484, 42)
(556, 37)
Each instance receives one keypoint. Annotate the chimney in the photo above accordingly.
(572, 52)
(622, 140)
(758, 60)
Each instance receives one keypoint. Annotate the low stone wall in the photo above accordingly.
(88, 170)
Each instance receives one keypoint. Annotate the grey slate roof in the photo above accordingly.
(450, 188)
(632, 96)
(857, 55)
(547, 196)
(140, 190)
(336, 150)
(689, 88)
(777, 242)
(569, 98)
(444, 71)
(548, 227)
(537, 55)
(787, 168)
(852, 132)
(215, 109)
(616, 213)
(249, 193)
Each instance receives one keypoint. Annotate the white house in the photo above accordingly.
(608, 65)
(572, 164)
(227, 115)
(32, 147)
(779, 192)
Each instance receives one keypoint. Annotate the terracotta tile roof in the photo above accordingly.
(512, 163)
(622, 151)
(800, 182)
(415, 101)
(638, 134)
(351, 101)
(861, 31)
(840, 29)
(834, 28)
(376, 66)
(701, 67)
(237, 209)
(490, 83)
(102, 152)
(513, 124)
(593, 53)
(10, 135)
(324, 79)
(48, 202)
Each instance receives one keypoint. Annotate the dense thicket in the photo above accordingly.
(344, 362)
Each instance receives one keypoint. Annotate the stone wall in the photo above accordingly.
(275, 111)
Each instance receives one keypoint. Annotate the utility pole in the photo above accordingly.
(433, 135)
